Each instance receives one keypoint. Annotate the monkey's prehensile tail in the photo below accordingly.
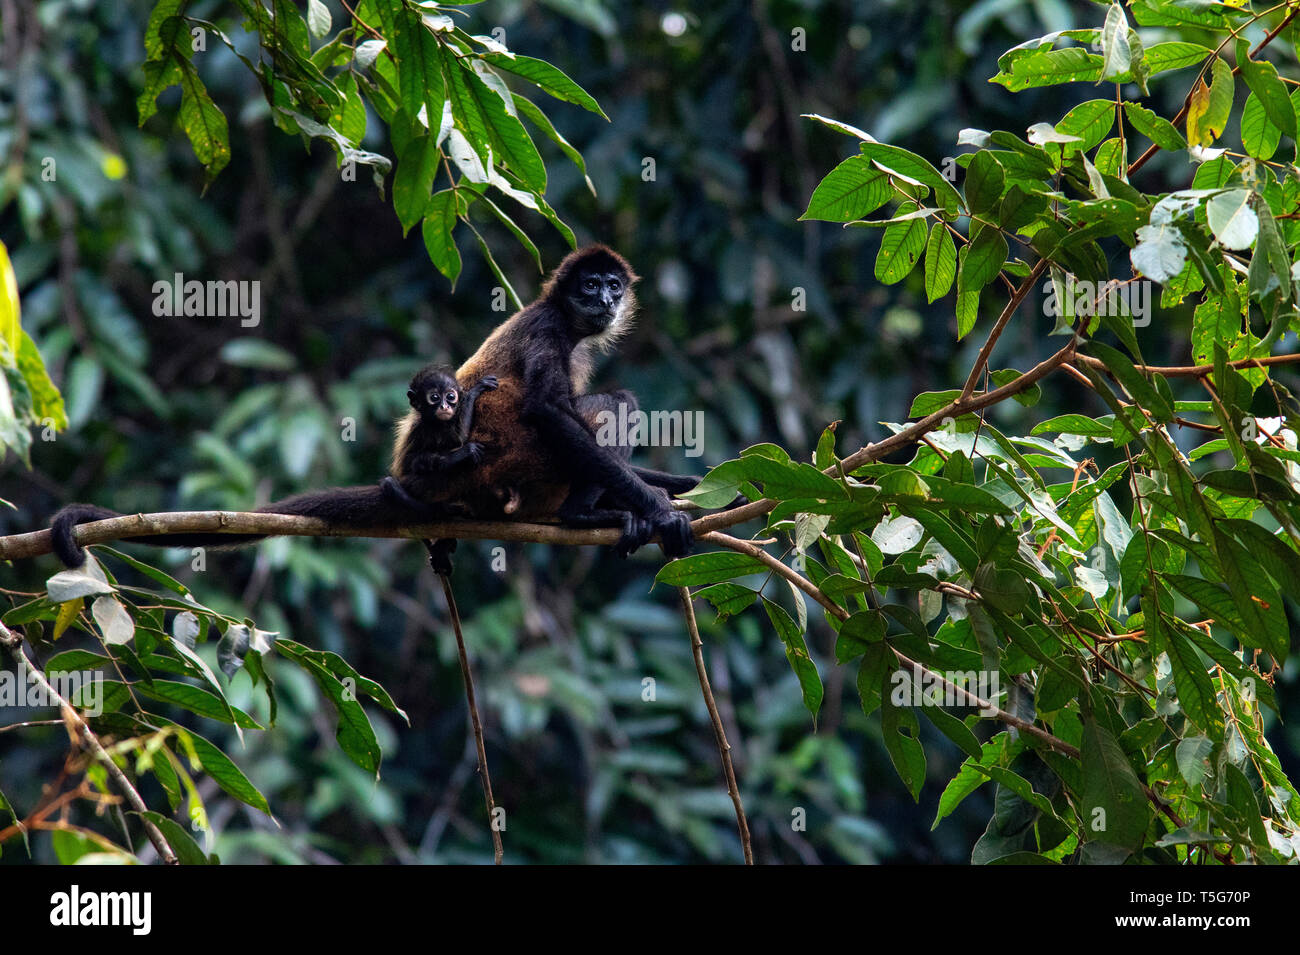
(364, 506)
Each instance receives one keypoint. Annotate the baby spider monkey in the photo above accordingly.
(433, 439)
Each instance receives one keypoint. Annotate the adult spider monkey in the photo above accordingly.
(535, 432)
(538, 428)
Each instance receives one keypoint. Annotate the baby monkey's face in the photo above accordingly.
(436, 395)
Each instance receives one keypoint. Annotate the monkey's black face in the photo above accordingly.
(596, 300)
(442, 403)
(437, 396)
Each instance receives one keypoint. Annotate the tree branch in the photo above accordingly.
(1196, 371)
(162, 523)
(895, 442)
(719, 733)
(14, 644)
(1018, 296)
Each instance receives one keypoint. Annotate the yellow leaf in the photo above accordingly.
(68, 611)
(9, 312)
(1196, 109)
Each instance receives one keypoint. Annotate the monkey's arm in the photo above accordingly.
(434, 462)
(548, 406)
(486, 383)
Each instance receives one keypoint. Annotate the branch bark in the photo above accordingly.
(719, 733)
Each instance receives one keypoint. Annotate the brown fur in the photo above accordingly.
(515, 458)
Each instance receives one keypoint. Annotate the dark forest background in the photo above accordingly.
(178, 413)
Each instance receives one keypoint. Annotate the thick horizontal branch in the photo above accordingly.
(35, 543)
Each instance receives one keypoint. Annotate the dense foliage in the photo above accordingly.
(1116, 566)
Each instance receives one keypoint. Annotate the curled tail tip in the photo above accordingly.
(63, 543)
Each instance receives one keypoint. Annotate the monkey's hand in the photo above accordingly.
(675, 534)
(474, 452)
(488, 383)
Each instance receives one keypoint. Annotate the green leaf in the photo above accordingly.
(413, 182)
(419, 57)
(902, 734)
(1261, 76)
(1112, 804)
(985, 181)
(1051, 68)
(1273, 250)
(197, 700)
(1175, 55)
(983, 259)
(550, 79)
(181, 842)
(959, 545)
(203, 122)
(439, 221)
(481, 114)
(539, 119)
(912, 166)
(1195, 689)
(1133, 381)
(700, 569)
(900, 250)
(1073, 424)
(47, 403)
(850, 191)
(1155, 128)
(356, 737)
(968, 310)
(1090, 121)
(796, 651)
(221, 769)
(728, 599)
(1259, 136)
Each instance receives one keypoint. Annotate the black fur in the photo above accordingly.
(583, 299)
(435, 438)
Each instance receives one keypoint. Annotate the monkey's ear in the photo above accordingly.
(410, 396)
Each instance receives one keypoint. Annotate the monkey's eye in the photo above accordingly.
(614, 286)
(432, 397)
(451, 397)
(591, 285)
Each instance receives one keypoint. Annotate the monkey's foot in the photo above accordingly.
(675, 534)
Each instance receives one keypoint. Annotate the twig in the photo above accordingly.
(895, 442)
(1187, 101)
(14, 644)
(498, 851)
(720, 734)
(1198, 371)
(1018, 296)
